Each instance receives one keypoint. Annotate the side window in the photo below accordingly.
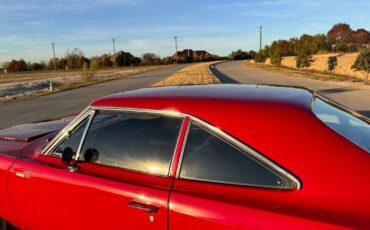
(209, 158)
(134, 141)
(73, 141)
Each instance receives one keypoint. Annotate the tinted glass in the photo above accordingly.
(74, 139)
(138, 142)
(209, 158)
(353, 128)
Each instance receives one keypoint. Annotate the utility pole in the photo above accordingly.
(260, 38)
(55, 63)
(175, 37)
(114, 46)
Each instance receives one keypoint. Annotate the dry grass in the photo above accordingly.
(197, 74)
(80, 83)
(20, 77)
(320, 64)
(307, 73)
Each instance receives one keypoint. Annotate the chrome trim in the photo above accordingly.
(64, 132)
(340, 107)
(91, 116)
(218, 132)
(183, 148)
(151, 111)
(249, 151)
(56, 140)
(177, 144)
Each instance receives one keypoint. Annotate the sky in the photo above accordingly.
(28, 27)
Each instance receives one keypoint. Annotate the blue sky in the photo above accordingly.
(27, 27)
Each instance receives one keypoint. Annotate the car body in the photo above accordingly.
(213, 157)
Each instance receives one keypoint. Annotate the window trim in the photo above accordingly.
(50, 148)
(214, 130)
(249, 152)
(90, 114)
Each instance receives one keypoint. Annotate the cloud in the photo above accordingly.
(60, 5)
(277, 2)
(229, 5)
(276, 15)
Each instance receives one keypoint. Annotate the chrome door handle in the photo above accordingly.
(24, 173)
(148, 208)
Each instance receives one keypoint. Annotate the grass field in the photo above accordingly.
(197, 74)
(14, 83)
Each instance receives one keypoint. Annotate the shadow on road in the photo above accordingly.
(336, 90)
(366, 113)
(223, 78)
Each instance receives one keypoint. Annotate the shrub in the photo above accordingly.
(276, 59)
(260, 57)
(362, 64)
(332, 63)
(303, 59)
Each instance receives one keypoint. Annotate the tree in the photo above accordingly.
(36, 66)
(150, 59)
(361, 37)
(125, 59)
(239, 55)
(340, 33)
(281, 48)
(62, 63)
(321, 42)
(105, 61)
(167, 61)
(362, 64)
(17, 66)
(75, 59)
(306, 44)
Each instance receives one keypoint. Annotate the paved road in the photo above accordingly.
(68, 102)
(353, 96)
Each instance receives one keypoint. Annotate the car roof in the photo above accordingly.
(277, 122)
(285, 96)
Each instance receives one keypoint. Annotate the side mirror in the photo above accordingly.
(67, 157)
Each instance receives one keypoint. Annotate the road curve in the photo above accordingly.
(72, 101)
(354, 97)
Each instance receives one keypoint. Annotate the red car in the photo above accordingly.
(200, 157)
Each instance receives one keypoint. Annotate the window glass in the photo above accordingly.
(134, 141)
(209, 158)
(73, 141)
(351, 127)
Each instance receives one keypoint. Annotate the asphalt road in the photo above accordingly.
(353, 96)
(72, 101)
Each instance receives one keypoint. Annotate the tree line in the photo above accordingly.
(340, 38)
(75, 59)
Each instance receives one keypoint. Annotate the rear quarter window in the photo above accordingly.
(353, 128)
(211, 159)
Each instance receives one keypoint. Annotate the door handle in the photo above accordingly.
(148, 208)
(24, 173)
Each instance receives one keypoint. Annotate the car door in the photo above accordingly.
(123, 178)
(221, 186)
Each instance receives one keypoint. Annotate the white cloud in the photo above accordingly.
(60, 5)
(229, 5)
(266, 14)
